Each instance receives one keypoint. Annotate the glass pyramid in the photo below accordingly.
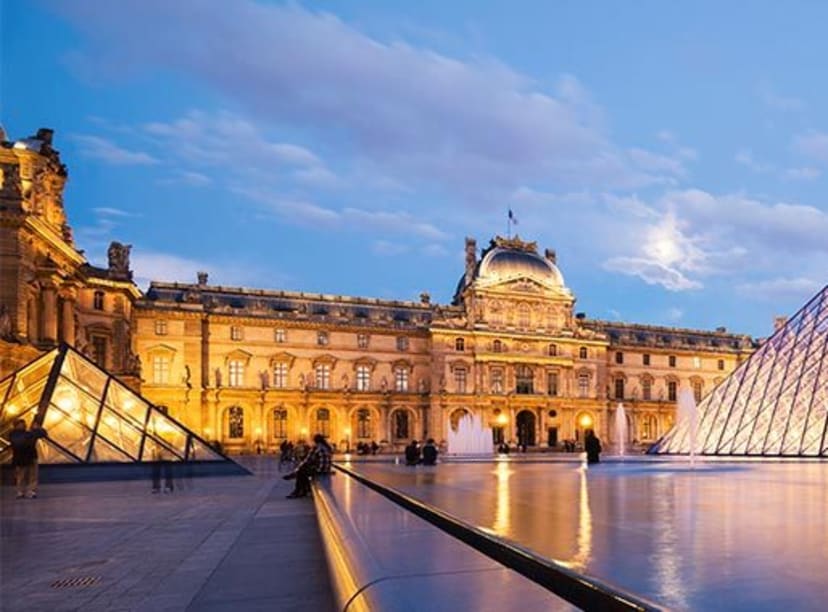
(775, 404)
(91, 417)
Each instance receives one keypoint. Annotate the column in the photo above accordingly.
(68, 318)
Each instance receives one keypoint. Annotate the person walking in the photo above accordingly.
(412, 453)
(592, 446)
(24, 457)
(317, 462)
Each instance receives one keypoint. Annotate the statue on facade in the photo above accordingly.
(6, 332)
(384, 384)
(118, 255)
(345, 381)
(132, 364)
(218, 377)
(264, 379)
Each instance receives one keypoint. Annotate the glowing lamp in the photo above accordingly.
(347, 431)
(502, 419)
(585, 421)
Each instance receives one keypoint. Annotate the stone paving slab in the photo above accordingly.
(223, 543)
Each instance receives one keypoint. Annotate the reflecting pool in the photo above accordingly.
(730, 536)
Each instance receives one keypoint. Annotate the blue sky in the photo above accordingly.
(675, 155)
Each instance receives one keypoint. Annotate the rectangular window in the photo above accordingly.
(280, 375)
(552, 383)
(401, 379)
(98, 300)
(280, 423)
(497, 380)
(582, 353)
(697, 362)
(322, 338)
(619, 357)
(583, 385)
(619, 388)
(672, 361)
(323, 376)
(671, 391)
(402, 343)
(362, 341)
(697, 390)
(363, 378)
(160, 370)
(645, 359)
(99, 350)
(236, 374)
(280, 335)
(460, 380)
(720, 364)
(236, 332)
(160, 327)
(459, 344)
(646, 389)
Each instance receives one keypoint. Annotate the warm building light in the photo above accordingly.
(11, 409)
(347, 431)
(502, 419)
(207, 432)
(66, 404)
(258, 432)
(304, 431)
(585, 421)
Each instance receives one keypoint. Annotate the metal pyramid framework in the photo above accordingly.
(775, 404)
(90, 416)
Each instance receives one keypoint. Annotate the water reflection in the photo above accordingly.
(666, 560)
(501, 525)
(583, 549)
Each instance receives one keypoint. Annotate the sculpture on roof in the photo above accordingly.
(119, 260)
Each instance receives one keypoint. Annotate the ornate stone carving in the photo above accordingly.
(119, 260)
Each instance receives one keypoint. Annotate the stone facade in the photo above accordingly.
(250, 367)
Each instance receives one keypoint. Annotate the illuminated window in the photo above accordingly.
(235, 422)
(524, 317)
(280, 335)
(322, 338)
(323, 376)
(459, 344)
(460, 380)
(672, 361)
(160, 327)
(497, 346)
(646, 389)
(552, 383)
(401, 425)
(236, 373)
(402, 343)
(619, 357)
(280, 375)
(671, 391)
(650, 430)
(98, 300)
(362, 341)
(323, 421)
(619, 388)
(720, 364)
(401, 379)
(645, 359)
(365, 425)
(697, 362)
(236, 332)
(280, 416)
(524, 380)
(363, 378)
(583, 385)
(582, 353)
(160, 370)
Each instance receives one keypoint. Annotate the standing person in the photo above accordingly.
(317, 462)
(374, 447)
(430, 452)
(24, 457)
(412, 453)
(592, 446)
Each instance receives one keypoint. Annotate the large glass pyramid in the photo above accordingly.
(91, 417)
(775, 404)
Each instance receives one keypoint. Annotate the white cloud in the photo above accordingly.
(107, 151)
(652, 273)
(389, 249)
(777, 289)
(112, 212)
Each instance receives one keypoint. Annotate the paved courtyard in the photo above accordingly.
(223, 543)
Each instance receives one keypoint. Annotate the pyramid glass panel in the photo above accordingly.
(773, 404)
(89, 416)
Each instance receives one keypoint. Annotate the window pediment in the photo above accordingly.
(365, 361)
(238, 355)
(282, 357)
(403, 364)
(161, 350)
(456, 364)
(325, 360)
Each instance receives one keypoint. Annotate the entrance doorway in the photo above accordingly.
(525, 422)
(552, 437)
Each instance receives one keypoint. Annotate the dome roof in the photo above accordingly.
(502, 264)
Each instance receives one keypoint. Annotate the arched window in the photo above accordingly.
(401, 425)
(524, 380)
(365, 425)
(552, 350)
(323, 421)
(524, 317)
(235, 422)
(280, 416)
(582, 353)
(497, 346)
(459, 344)
(454, 417)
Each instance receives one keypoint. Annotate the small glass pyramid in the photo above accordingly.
(775, 404)
(91, 417)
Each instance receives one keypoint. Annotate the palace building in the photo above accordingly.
(251, 367)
